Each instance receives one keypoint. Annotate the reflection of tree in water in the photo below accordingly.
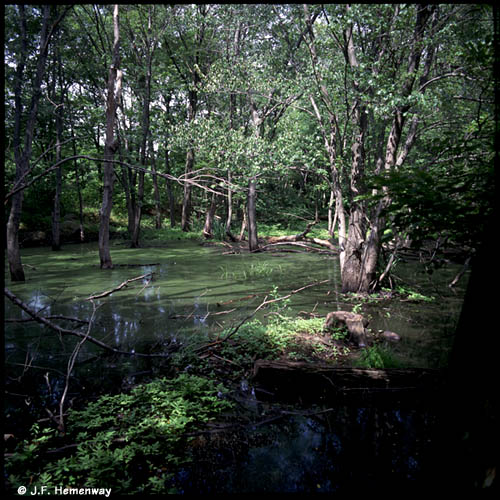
(338, 450)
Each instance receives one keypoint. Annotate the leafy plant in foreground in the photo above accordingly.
(130, 443)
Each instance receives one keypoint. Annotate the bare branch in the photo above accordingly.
(265, 302)
(180, 180)
(76, 333)
(71, 364)
(119, 287)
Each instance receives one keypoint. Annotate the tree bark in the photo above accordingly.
(22, 156)
(56, 213)
(352, 268)
(243, 225)
(186, 201)
(209, 218)
(253, 243)
(362, 278)
(134, 243)
(171, 202)
(146, 103)
(114, 89)
(156, 190)
(77, 179)
(229, 207)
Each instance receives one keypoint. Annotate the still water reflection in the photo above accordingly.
(191, 293)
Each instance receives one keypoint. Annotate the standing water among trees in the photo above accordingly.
(353, 140)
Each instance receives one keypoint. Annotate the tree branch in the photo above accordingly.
(119, 287)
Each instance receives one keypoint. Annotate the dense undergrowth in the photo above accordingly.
(131, 443)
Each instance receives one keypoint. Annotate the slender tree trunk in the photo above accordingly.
(186, 201)
(77, 178)
(23, 155)
(339, 208)
(332, 214)
(56, 213)
(253, 243)
(138, 213)
(209, 218)
(170, 194)
(229, 206)
(232, 126)
(144, 143)
(126, 181)
(243, 225)
(114, 89)
(156, 190)
(168, 182)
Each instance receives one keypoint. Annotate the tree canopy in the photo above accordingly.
(380, 117)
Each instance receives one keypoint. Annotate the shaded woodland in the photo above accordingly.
(360, 133)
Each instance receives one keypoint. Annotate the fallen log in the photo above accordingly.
(308, 248)
(272, 240)
(303, 382)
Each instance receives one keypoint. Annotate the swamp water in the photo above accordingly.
(196, 291)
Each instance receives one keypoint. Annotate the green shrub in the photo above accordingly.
(377, 357)
(130, 443)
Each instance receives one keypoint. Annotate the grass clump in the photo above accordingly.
(377, 357)
(282, 337)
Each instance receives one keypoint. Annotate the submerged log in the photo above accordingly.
(299, 381)
(391, 336)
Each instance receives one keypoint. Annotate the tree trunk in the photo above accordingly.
(332, 214)
(134, 243)
(77, 178)
(186, 200)
(229, 206)
(352, 268)
(114, 89)
(144, 144)
(156, 189)
(209, 219)
(243, 225)
(168, 183)
(56, 213)
(23, 155)
(253, 243)
(127, 183)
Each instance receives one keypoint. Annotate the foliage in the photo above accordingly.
(378, 357)
(254, 270)
(249, 70)
(130, 443)
(413, 295)
(282, 336)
